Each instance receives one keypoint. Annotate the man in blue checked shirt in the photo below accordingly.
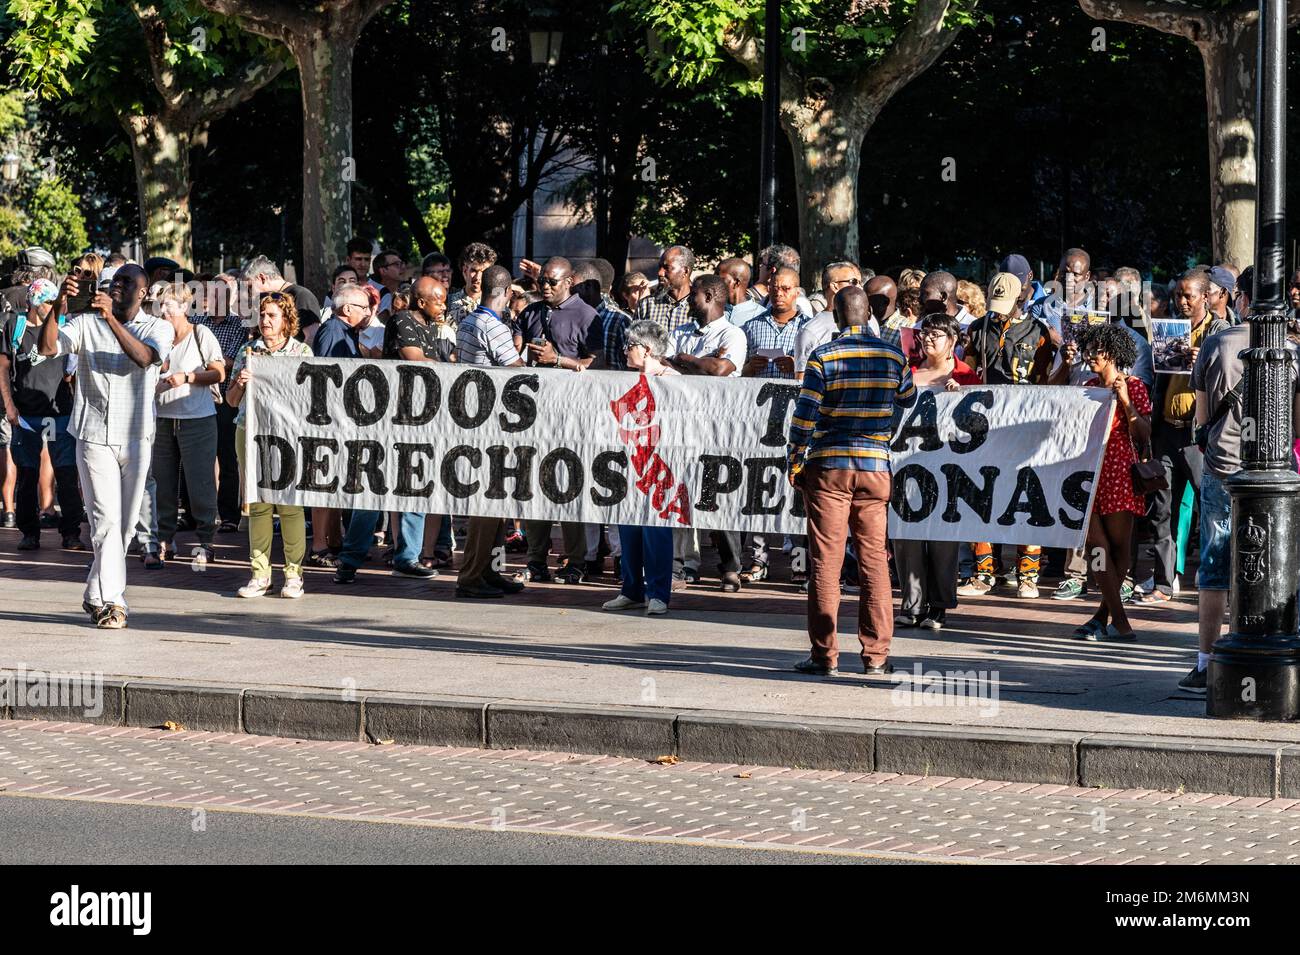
(838, 455)
(771, 336)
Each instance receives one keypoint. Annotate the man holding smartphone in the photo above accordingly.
(120, 348)
(562, 333)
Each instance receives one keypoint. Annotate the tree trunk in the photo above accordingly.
(1228, 54)
(161, 155)
(324, 59)
(826, 137)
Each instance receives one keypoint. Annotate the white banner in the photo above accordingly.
(619, 448)
(1010, 464)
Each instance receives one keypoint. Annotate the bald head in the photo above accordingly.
(939, 293)
(737, 269)
(430, 298)
(851, 307)
(882, 296)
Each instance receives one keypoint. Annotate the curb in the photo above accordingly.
(1091, 760)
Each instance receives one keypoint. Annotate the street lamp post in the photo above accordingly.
(770, 126)
(544, 50)
(1255, 670)
(10, 166)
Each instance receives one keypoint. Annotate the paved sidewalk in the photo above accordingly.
(554, 644)
(895, 816)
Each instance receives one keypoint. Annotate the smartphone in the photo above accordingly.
(81, 301)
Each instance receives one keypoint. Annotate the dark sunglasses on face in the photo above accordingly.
(553, 282)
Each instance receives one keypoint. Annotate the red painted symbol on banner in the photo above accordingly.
(635, 414)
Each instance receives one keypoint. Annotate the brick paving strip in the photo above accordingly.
(894, 815)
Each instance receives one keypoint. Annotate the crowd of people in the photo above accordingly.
(123, 387)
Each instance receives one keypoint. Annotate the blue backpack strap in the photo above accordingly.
(20, 328)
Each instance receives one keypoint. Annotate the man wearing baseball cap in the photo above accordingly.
(1008, 347)
(37, 401)
(1223, 286)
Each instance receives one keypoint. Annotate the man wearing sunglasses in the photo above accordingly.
(562, 333)
(822, 327)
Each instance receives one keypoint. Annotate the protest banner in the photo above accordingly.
(619, 448)
(1013, 464)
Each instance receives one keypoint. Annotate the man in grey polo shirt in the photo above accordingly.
(120, 349)
(1217, 384)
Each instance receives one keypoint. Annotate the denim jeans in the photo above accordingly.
(361, 534)
(26, 448)
(647, 560)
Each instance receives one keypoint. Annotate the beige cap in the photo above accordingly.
(1004, 291)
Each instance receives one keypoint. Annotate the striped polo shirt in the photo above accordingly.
(844, 415)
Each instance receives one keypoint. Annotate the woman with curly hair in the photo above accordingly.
(277, 326)
(1106, 349)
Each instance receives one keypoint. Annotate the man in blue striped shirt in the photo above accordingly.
(838, 455)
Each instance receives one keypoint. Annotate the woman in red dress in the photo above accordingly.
(1107, 349)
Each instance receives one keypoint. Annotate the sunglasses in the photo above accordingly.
(553, 282)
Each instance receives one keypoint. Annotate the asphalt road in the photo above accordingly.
(43, 831)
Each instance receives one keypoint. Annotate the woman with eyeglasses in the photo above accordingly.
(927, 570)
(1115, 502)
(277, 326)
(647, 558)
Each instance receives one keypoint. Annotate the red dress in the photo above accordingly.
(962, 373)
(1115, 492)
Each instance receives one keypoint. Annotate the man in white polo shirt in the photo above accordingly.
(120, 349)
(709, 345)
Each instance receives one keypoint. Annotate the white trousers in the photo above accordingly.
(112, 484)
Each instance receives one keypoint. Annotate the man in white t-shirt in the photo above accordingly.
(709, 345)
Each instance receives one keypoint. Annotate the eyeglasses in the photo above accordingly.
(275, 297)
(933, 335)
(553, 282)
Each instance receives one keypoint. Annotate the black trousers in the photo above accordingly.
(27, 505)
(1167, 447)
(228, 461)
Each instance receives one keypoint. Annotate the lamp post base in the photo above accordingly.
(1254, 671)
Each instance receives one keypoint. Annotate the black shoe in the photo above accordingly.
(414, 570)
(570, 575)
(49, 520)
(73, 542)
(29, 542)
(538, 574)
(345, 574)
(506, 586)
(479, 591)
(594, 568)
(884, 669)
(812, 667)
(1194, 682)
(228, 527)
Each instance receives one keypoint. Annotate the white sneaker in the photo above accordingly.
(656, 608)
(292, 588)
(255, 588)
(623, 602)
